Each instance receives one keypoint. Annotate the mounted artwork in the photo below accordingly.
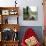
(30, 13)
(5, 12)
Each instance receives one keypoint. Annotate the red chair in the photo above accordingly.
(29, 33)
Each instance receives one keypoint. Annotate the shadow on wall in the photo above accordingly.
(37, 29)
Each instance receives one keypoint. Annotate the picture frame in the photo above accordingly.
(12, 12)
(5, 12)
(30, 13)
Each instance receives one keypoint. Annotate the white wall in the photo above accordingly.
(7, 3)
(24, 3)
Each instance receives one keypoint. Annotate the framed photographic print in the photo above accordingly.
(13, 12)
(30, 13)
(5, 12)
